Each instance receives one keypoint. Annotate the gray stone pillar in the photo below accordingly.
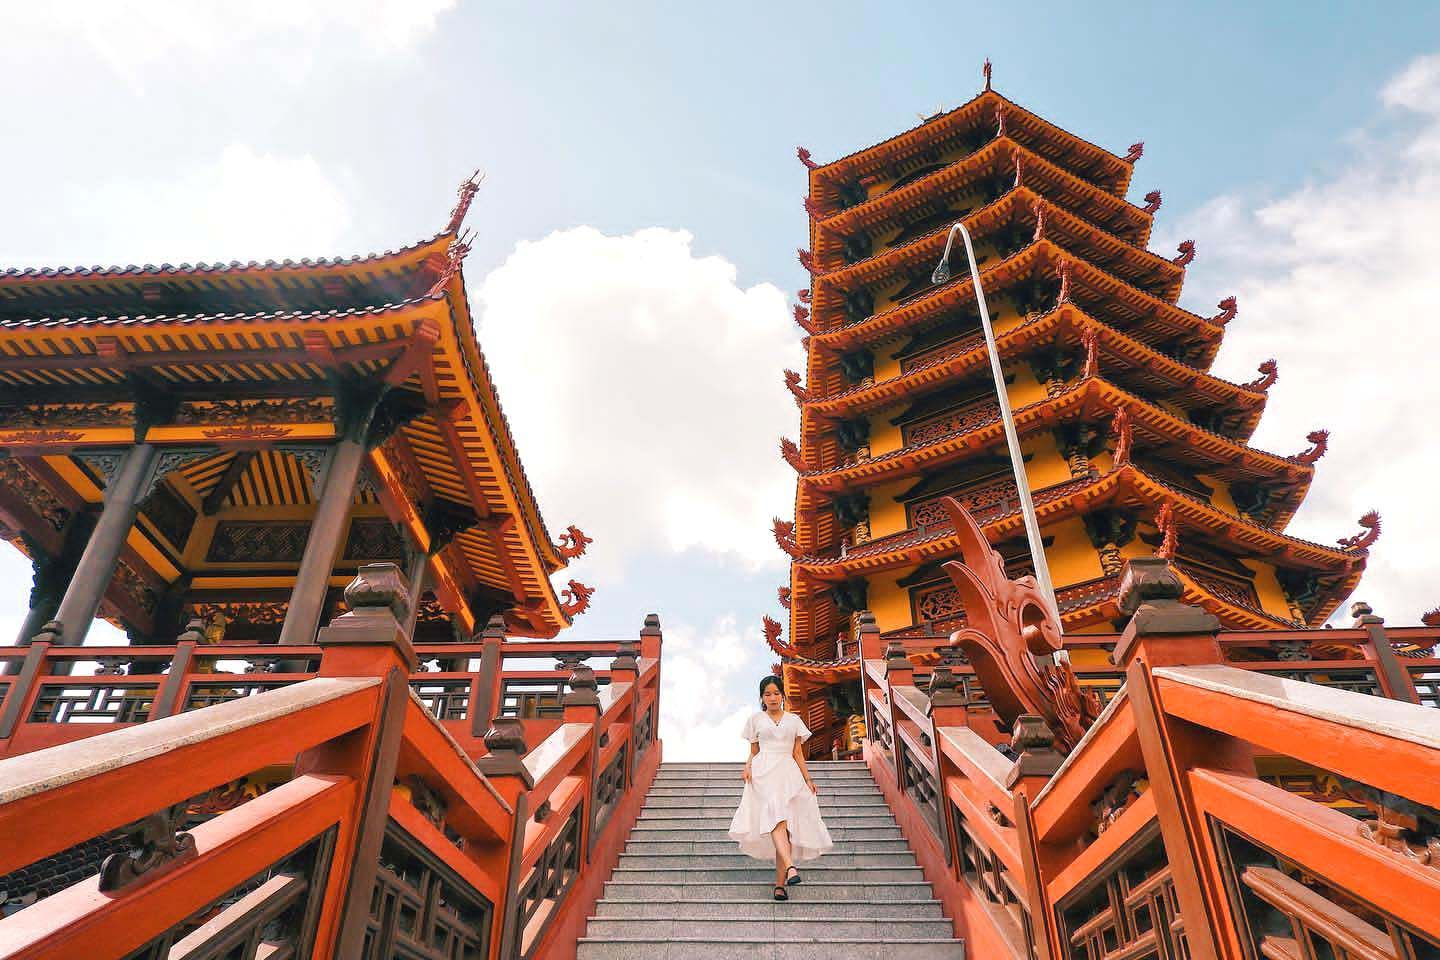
(102, 551)
(307, 600)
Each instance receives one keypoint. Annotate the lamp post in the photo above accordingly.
(1012, 441)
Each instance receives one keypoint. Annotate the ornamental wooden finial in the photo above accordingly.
(455, 255)
(1000, 121)
(1137, 150)
(784, 532)
(784, 594)
(804, 295)
(772, 628)
(1169, 532)
(807, 260)
(1019, 170)
(467, 192)
(1187, 253)
(802, 317)
(791, 454)
(1090, 339)
(1009, 626)
(573, 543)
(1431, 619)
(1038, 208)
(1228, 309)
(1269, 373)
(577, 598)
(1064, 271)
(811, 208)
(804, 156)
(1364, 540)
(1152, 201)
(1124, 435)
(987, 69)
(792, 383)
(1320, 440)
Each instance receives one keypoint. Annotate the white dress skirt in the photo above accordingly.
(777, 792)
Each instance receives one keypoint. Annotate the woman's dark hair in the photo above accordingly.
(769, 680)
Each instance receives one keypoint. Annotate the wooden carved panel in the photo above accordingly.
(421, 909)
(259, 542)
(374, 539)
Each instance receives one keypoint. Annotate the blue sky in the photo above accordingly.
(636, 231)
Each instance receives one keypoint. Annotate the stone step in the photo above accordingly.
(761, 873)
(813, 891)
(738, 787)
(733, 796)
(712, 764)
(714, 830)
(720, 780)
(640, 948)
(726, 808)
(770, 928)
(734, 860)
(766, 907)
(725, 845)
(721, 821)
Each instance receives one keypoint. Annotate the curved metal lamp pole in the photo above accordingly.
(1012, 441)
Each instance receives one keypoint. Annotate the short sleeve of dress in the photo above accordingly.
(801, 731)
(750, 733)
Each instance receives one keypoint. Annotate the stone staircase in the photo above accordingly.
(683, 890)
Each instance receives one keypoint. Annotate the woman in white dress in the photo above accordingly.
(779, 815)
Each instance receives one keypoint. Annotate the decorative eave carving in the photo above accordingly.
(466, 193)
(1010, 628)
(1187, 253)
(791, 454)
(784, 595)
(1320, 442)
(1152, 201)
(1364, 540)
(1228, 309)
(807, 260)
(771, 628)
(576, 598)
(1269, 373)
(804, 156)
(573, 543)
(792, 383)
(784, 531)
(1137, 150)
(1124, 433)
(802, 318)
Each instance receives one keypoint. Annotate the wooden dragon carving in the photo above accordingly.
(772, 629)
(1269, 373)
(1228, 308)
(1152, 201)
(1366, 539)
(577, 598)
(1187, 253)
(1010, 628)
(573, 543)
(1320, 440)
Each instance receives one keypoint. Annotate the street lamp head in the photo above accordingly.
(942, 271)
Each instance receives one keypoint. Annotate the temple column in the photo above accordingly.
(307, 600)
(102, 551)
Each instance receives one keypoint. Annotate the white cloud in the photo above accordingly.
(1336, 281)
(647, 386)
(240, 204)
(147, 42)
(702, 675)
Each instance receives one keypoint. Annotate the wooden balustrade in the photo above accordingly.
(359, 797)
(1268, 795)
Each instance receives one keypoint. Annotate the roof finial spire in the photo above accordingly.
(987, 69)
(466, 193)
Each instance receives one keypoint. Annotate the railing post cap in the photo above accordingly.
(625, 657)
(583, 690)
(52, 632)
(867, 622)
(895, 658)
(1033, 743)
(1150, 593)
(652, 625)
(494, 627)
(943, 689)
(1364, 614)
(505, 741)
(376, 597)
(194, 632)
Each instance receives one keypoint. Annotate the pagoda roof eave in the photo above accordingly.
(901, 317)
(966, 357)
(1022, 199)
(197, 319)
(878, 210)
(917, 139)
(1088, 397)
(1071, 497)
(12, 276)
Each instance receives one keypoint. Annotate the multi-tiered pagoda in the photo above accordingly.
(1132, 447)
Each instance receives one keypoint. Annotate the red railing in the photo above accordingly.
(1243, 795)
(334, 800)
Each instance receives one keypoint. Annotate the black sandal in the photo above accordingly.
(789, 880)
(780, 893)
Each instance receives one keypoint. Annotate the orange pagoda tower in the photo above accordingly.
(1132, 446)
